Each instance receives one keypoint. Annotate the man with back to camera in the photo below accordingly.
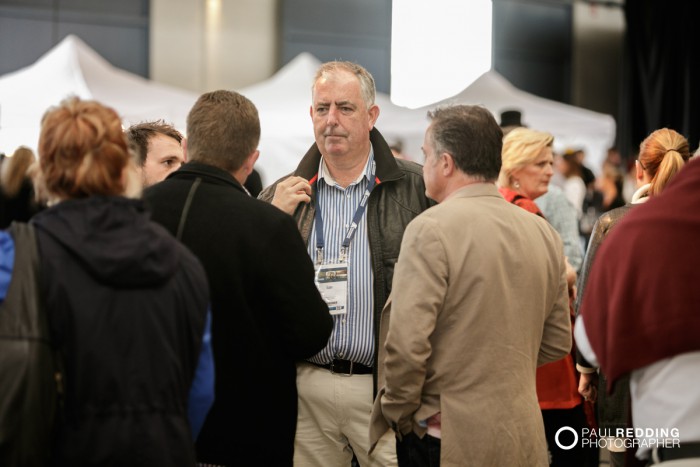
(351, 199)
(158, 148)
(266, 311)
(476, 307)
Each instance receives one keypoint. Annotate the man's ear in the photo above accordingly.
(132, 180)
(251, 160)
(184, 148)
(447, 164)
(246, 168)
(373, 115)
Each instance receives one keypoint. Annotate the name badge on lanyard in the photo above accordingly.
(332, 282)
(332, 278)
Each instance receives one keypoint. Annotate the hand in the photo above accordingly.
(588, 386)
(290, 192)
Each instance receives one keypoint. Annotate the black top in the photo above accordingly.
(20, 207)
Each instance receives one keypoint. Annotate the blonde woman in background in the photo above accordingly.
(527, 167)
(17, 200)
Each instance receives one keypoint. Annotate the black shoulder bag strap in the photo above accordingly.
(186, 208)
(29, 365)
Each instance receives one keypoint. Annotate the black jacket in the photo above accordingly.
(613, 408)
(266, 311)
(20, 207)
(127, 307)
(394, 202)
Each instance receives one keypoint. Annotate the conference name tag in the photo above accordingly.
(332, 281)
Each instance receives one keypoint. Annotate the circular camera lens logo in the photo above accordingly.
(569, 446)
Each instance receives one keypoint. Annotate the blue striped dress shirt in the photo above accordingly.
(353, 333)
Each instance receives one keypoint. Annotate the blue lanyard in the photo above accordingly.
(359, 212)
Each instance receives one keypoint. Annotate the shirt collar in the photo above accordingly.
(324, 173)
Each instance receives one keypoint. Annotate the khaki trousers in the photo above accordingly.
(333, 421)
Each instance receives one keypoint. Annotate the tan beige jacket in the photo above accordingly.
(479, 300)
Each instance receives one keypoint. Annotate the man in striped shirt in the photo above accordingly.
(352, 200)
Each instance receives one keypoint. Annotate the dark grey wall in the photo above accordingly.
(533, 40)
(598, 59)
(355, 30)
(535, 48)
(117, 30)
(532, 44)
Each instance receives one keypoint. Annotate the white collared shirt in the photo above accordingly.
(353, 333)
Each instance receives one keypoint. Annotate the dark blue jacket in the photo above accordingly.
(127, 307)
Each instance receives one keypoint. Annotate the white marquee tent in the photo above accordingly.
(73, 68)
(572, 127)
(283, 101)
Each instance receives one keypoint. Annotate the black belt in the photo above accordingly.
(345, 367)
(683, 451)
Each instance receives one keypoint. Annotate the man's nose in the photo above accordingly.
(332, 118)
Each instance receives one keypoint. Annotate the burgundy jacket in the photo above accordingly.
(641, 304)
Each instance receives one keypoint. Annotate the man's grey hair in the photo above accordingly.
(367, 86)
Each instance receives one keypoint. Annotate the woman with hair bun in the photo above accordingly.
(661, 156)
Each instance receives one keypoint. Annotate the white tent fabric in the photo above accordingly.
(572, 127)
(283, 101)
(73, 68)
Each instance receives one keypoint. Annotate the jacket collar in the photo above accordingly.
(387, 168)
(476, 189)
(214, 174)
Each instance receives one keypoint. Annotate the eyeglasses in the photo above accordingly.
(640, 163)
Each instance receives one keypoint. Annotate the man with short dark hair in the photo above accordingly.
(158, 148)
(479, 301)
(266, 311)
